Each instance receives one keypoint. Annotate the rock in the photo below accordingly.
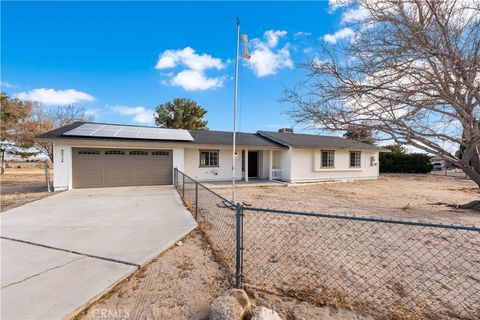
(234, 304)
(262, 313)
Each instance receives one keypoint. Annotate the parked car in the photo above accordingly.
(438, 166)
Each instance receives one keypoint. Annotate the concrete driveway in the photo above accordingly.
(63, 251)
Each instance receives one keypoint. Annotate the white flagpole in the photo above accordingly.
(235, 110)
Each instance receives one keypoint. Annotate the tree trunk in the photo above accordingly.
(2, 169)
(473, 173)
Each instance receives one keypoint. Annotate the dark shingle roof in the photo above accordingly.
(298, 140)
(204, 137)
(260, 139)
(225, 138)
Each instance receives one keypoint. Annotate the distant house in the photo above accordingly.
(89, 155)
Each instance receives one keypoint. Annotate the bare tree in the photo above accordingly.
(49, 119)
(411, 73)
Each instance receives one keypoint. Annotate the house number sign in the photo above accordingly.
(61, 153)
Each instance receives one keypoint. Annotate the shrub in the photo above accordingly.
(405, 163)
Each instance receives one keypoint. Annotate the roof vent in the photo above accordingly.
(286, 130)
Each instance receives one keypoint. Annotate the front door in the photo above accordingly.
(253, 164)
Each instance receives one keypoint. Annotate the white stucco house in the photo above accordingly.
(89, 155)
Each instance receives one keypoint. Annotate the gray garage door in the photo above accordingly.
(96, 168)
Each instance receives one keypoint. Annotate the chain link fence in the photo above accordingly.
(454, 172)
(215, 215)
(383, 267)
(393, 269)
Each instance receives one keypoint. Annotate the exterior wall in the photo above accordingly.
(263, 169)
(62, 157)
(306, 166)
(179, 158)
(62, 167)
(297, 165)
(222, 172)
(281, 159)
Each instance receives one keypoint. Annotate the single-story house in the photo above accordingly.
(89, 155)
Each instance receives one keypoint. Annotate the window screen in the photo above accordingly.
(328, 159)
(355, 159)
(209, 158)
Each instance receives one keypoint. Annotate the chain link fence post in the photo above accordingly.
(175, 174)
(196, 200)
(239, 245)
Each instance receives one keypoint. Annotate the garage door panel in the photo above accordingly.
(138, 177)
(89, 183)
(121, 167)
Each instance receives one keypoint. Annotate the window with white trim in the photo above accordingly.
(209, 158)
(328, 159)
(355, 159)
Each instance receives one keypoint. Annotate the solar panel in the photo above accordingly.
(129, 132)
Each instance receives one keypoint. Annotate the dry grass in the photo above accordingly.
(22, 185)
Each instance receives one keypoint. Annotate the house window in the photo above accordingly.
(209, 158)
(328, 159)
(355, 159)
(138, 153)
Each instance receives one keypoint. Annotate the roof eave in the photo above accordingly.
(182, 143)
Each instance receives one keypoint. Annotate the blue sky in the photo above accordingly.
(121, 59)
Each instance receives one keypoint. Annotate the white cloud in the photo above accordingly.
(356, 14)
(193, 76)
(335, 4)
(302, 34)
(140, 114)
(265, 59)
(189, 58)
(272, 36)
(6, 84)
(192, 80)
(92, 113)
(339, 35)
(54, 97)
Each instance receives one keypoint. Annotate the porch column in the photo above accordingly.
(246, 165)
(270, 165)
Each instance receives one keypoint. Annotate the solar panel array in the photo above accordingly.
(128, 132)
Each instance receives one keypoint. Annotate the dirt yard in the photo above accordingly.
(180, 284)
(183, 282)
(22, 185)
(393, 270)
(422, 197)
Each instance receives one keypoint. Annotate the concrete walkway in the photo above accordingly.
(61, 252)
